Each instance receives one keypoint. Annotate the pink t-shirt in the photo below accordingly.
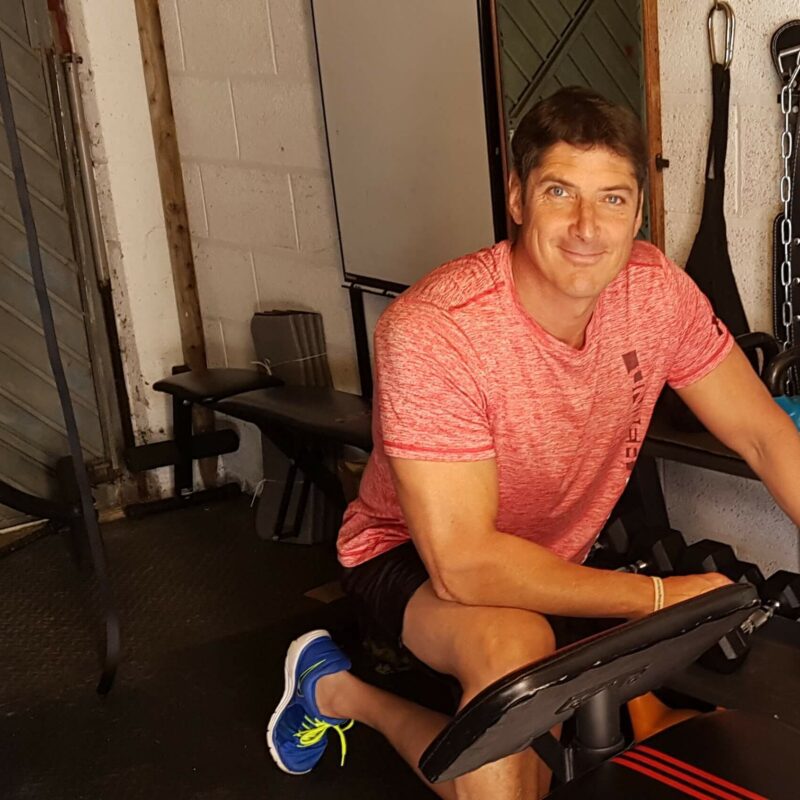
(463, 373)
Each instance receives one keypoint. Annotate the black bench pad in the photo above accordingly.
(698, 449)
(204, 386)
(319, 411)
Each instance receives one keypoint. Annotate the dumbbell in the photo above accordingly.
(708, 555)
(656, 551)
(745, 572)
(781, 591)
(609, 551)
(781, 595)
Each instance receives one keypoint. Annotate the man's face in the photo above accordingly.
(578, 215)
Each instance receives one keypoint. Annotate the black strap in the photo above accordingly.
(709, 263)
(718, 138)
(112, 639)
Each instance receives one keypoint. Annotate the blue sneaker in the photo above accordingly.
(297, 732)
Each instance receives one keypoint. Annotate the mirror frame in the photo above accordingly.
(652, 76)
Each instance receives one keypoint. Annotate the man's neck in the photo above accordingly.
(562, 317)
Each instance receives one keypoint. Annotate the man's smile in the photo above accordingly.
(581, 256)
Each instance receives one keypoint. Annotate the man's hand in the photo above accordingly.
(684, 587)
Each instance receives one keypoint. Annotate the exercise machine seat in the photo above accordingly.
(313, 410)
(210, 385)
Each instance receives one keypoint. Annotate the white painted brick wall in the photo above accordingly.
(204, 115)
(220, 39)
(279, 122)
(703, 503)
(251, 134)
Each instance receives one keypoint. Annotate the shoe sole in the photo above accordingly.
(289, 670)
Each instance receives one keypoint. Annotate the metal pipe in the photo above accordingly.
(598, 724)
(85, 164)
(100, 257)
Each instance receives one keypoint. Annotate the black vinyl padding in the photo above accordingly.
(696, 448)
(315, 410)
(209, 385)
(628, 660)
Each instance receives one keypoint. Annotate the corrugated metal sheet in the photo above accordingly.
(32, 435)
(538, 40)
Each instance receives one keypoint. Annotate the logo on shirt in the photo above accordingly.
(633, 440)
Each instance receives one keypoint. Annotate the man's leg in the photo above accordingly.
(477, 645)
(408, 727)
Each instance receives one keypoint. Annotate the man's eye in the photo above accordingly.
(615, 199)
(558, 191)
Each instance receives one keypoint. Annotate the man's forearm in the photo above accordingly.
(509, 571)
(776, 460)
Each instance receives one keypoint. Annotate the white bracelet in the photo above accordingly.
(658, 589)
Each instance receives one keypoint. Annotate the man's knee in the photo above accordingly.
(512, 641)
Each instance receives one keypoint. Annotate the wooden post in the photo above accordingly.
(171, 179)
(652, 77)
(193, 345)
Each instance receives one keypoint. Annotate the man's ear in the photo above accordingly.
(516, 197)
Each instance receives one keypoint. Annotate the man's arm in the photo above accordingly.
(736, 407)
(451, 508)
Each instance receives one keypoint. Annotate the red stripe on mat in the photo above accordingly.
(661, 778)
(701, 773)
(682, 775)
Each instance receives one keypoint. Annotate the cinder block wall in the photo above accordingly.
(703, 503)
(250, 129)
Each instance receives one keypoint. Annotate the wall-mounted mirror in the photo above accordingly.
(548, 44)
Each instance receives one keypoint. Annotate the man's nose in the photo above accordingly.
(584, 225)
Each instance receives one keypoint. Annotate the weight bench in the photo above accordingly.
(300, 420)
(729, 754)
(303, 422)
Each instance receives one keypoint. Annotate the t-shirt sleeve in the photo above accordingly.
(428, 391)
(702, 341)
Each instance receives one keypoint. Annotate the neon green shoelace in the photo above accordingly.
(314, 730)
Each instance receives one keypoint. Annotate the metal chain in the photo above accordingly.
(787, 149)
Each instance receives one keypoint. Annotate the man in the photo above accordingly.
(512, 386)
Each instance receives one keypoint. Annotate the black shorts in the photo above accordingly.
(383, 586)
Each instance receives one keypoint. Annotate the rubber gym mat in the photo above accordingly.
(207, 611)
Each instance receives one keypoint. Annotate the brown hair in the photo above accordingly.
(581, 118)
